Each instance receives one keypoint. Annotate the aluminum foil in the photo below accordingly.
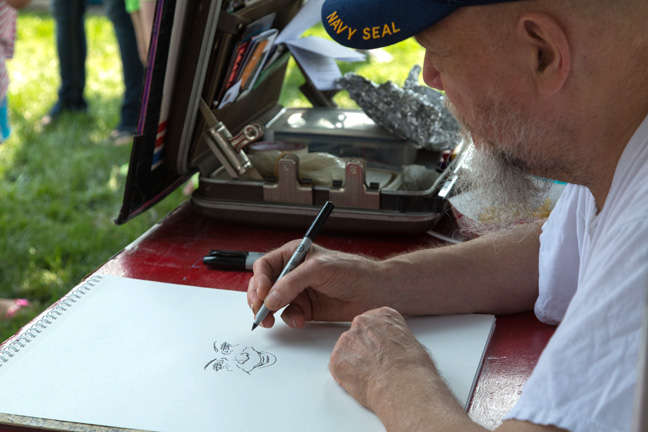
(416, 113)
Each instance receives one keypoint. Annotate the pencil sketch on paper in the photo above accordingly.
(247, 359)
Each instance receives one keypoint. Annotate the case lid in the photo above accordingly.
(191, 49)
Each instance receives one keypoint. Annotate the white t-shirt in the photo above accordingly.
(593, 279)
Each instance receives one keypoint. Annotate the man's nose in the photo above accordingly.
(431, 75)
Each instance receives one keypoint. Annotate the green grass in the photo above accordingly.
(61, 188)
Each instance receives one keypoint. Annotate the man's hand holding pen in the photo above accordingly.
(327, 286)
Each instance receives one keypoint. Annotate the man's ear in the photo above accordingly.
(549, 57)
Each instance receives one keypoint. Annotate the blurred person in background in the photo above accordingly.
(72, 50)
(8, 307)
(7, 40)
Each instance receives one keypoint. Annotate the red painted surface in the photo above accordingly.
(513, 352)
(172, 251)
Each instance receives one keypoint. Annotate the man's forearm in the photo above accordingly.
(497, 273)
(420, 401)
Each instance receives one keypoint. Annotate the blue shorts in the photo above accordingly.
(5, 129)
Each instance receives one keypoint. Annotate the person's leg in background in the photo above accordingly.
(5, 127)
(133, 70)
(142, 14)
(72, 50)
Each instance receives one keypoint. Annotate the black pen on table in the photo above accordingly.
(231, 260)
(299, 254)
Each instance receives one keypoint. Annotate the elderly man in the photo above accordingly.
(549, 88)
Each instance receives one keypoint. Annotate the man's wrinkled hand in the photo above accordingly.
(378, 356)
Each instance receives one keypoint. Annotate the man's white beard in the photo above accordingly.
(502, 190)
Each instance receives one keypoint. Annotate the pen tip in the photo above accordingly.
(253, 326)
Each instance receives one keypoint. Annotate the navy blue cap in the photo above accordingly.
(367, 24)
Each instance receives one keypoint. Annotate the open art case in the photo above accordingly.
(210, 106)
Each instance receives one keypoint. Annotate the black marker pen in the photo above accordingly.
(231, 260)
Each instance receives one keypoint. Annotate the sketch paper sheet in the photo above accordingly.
(165, 357)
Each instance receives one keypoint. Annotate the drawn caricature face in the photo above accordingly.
(245, 359)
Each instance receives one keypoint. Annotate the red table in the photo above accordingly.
(172, 251)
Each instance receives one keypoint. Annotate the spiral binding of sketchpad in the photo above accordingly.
(13, 345)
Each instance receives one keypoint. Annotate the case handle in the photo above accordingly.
(288, 188)
(355, 193)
